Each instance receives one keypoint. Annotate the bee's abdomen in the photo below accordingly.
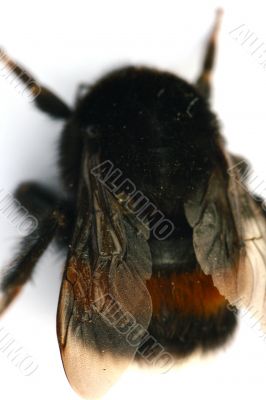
(188, 311)
(187, 293)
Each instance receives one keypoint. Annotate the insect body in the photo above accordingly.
(155, 258)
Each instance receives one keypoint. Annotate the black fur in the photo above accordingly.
(142, 120)
(182, 334)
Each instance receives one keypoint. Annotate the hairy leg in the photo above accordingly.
(54, 219)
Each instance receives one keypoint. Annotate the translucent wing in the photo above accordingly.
(250, 221)
(104, 307)
(229, 235)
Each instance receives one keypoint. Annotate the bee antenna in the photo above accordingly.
(203, 82)
(42, 97)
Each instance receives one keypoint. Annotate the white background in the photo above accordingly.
(64, 43)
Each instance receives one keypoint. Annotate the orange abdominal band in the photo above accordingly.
(189, 293)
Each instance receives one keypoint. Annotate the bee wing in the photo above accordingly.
(229, 235)
(250, 221)
(104, 307)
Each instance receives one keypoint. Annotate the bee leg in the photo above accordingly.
(39, 201)
(42, 97)
(203, 82)
(50, 221)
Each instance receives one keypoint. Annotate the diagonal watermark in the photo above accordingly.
(248, 39)
(16, 214)
(256, 187)
(147, 346)
(26, 87)
(16, 353)
(132, 199)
